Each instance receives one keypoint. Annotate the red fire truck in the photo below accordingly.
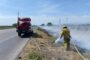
(24, 27)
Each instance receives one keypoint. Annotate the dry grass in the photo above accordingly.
(42, 48)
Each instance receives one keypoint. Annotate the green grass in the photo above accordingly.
(6, 27)
(35, 56)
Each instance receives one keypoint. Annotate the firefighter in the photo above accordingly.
(66, 35)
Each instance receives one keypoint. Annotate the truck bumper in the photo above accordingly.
(25, 32)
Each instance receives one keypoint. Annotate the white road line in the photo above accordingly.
(7, 38)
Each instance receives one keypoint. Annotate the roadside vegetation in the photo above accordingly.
(6, 27)
(48, 24)
(41, 47)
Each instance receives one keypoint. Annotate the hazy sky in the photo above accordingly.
(42, 11)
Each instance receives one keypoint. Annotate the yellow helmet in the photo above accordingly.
(64, 26)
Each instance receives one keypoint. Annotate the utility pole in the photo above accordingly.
(18, 15)
(18, 18)
(67, 21)
(60, 23)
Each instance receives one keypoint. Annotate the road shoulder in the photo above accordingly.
(41, 47)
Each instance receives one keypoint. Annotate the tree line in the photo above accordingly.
(48, 24)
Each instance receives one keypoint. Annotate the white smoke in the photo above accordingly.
(79, 37)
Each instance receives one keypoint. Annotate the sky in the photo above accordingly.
(43, 11)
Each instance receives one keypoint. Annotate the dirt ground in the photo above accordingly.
(41, 47)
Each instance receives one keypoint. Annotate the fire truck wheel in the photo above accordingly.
(19, 34)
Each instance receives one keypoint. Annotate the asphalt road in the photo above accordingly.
(10, 44)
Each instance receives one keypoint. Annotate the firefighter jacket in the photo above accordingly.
(65, 33)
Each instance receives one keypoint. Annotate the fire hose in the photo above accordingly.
(84, 58)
